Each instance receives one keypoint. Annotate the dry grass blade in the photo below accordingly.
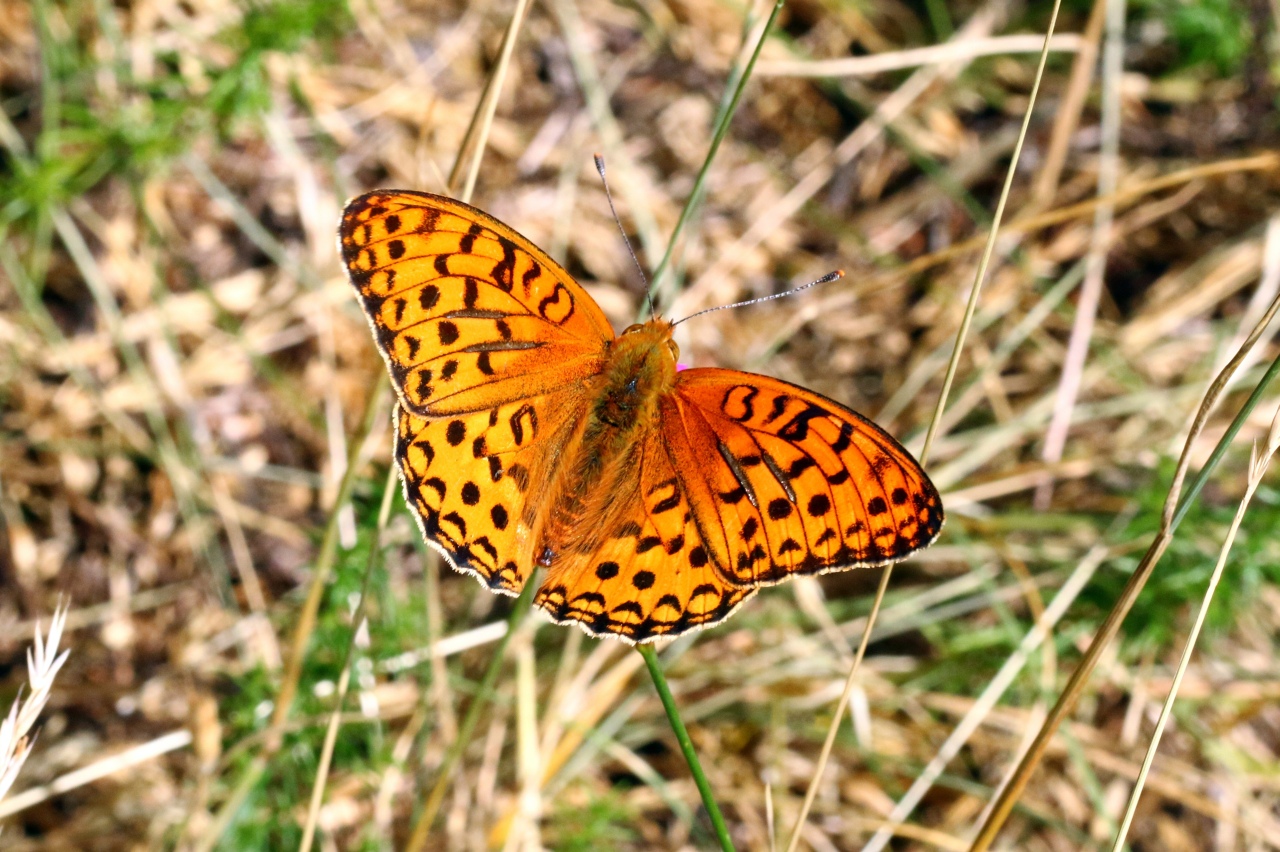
(131, 758)
(478, 136)
(1091, 292)
(1012, 788)
(938, 54)
(1258, 464)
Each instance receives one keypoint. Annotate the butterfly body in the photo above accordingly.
(529, 434)
(639, 372)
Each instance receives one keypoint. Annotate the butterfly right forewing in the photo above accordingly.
(792, 482)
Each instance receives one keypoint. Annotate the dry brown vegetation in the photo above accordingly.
(185, 376)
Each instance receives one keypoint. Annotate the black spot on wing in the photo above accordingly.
(843, 441)
(779, 405)
(556, 307)
(517, 422)
(429, 296)
(667, 503)
(797, 428)
(456, 432)
(504, 270)
(739, 403)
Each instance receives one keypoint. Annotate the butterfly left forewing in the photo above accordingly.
(467, 313)
(795, 483)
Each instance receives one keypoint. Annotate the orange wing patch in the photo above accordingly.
(467, 313)
(652, 576)
(792, 483)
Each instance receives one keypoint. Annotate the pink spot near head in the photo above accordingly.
(680, 366)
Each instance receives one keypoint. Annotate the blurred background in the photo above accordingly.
(195, 424)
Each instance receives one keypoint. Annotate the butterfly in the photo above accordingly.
(529, 434)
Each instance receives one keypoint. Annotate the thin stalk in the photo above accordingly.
(989, 248)
(686, 745)
(344, 681)
(422, 828)
(489, 100)
(952, 366)
(1257, 468)
(1021, 774)
(722, 129)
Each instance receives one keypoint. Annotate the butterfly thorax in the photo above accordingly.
(641, 368)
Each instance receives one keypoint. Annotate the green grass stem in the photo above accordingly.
(722, 129)
(686, 745)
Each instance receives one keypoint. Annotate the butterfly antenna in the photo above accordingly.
(648, 297)
(830, 276)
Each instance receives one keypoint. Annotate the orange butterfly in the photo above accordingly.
(528, 433)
